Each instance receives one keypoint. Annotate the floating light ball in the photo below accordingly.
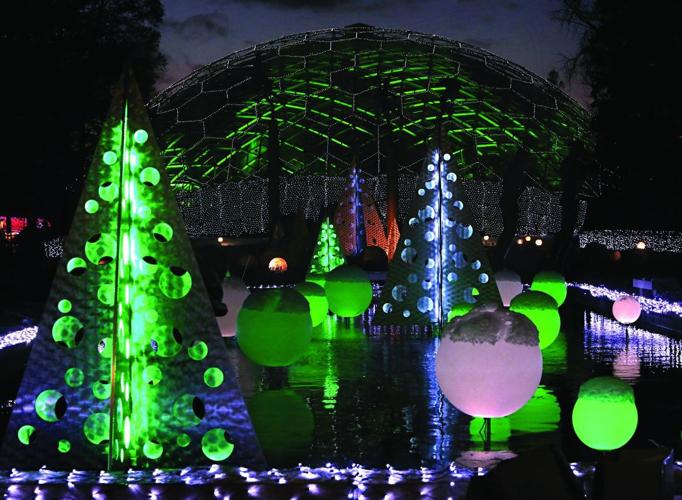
(605, 415)
(234, 295)
(274, 326)
(317, 300)
(488, 363)
(349, 291)
(277, 265)
(508, 285)
(542, 310)
(551, 283)
(626, 310)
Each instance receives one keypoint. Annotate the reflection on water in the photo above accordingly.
(607, 341)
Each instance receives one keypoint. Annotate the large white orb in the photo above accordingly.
(626, 310)
(508, 284)
(234, 295)
(489, 362)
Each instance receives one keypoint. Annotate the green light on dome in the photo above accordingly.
(543, 311)
(216, 446)
(74, 377)
(551, 283)
(91, 206)
(152, 450)
(213, 377)
(64, 306)
(183, 440)
(50, 405)
(198, 351)
(605, 415)
(26, 434)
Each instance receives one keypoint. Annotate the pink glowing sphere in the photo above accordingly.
(489, 362)
(626, 310)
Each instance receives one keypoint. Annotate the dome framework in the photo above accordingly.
(367, 93)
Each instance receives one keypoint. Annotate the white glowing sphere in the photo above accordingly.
(508, 284)
(234, 295)
(626, 310)
(489, 362)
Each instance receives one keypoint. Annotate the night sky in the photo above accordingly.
(197, 32)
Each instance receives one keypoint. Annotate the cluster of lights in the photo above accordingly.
(23, 336)
(540, 212)
(54, 248)
(527, 239)
(655, 305)
(623, 239)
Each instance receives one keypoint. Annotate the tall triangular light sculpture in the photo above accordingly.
(439, 263)
(128, 368)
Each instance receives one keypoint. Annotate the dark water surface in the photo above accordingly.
(374, 400)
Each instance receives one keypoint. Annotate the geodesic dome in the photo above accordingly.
(361, 92)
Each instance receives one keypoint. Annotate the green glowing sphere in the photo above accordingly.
(551, 283)
(152, 375)
(183, 440)
(109, 157)
(460, 310)
(68, 331)
(188, 410)
(76, 266)
(152, 450)
(50, 405)
(175, 282)
(26, 434)
(91, 206)
(216, 446)
(107, 191)
(213, 377)
(64, 446)
(96, 428)
(349, 291)
(284, 425)
(274, 326)
(317, 300)
(150, 176)
(198, 350)
(605, 415)
(543, 311)
(74, 377)
(64, 306)
(140, 136)
(101, 390)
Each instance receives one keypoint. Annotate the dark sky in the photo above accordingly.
(196, 32)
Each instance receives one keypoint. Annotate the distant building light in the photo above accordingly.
(538, 242)
(220, 239)
(527, 238)
(486, 237)
(640, 245)
(519, 241)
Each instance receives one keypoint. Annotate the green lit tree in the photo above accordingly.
(128, 368)
(327, 254)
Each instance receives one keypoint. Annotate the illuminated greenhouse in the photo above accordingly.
(299, 110)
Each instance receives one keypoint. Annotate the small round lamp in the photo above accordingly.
(488, 363)
(278, 265)
(605, 415)
(349, 291)
(626, 310)
(274, 326)
(551, 283)
(542, 310)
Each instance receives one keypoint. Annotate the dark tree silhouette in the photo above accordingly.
(61, 59)
(628, 55)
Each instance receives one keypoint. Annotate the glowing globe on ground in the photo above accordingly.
(274, 326)
(349, 291)
(234, 295)
(489, 362)
(317, 300)
(509, 285)
(626, 310)
(551, 283)
(605, 415)
(542, 310)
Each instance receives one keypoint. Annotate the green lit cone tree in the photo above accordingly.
(327, 254)
(439, 264)
(128, 368)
